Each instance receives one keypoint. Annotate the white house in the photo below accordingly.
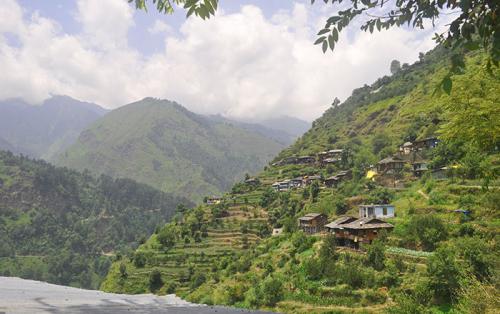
(376, 211)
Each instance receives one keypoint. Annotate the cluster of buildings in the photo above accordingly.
(294, 183)
(322, 158)
(299, 182)
(350, 231)
(409, 153)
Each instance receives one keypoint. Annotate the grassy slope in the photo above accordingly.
(392, 110)
(164, 145)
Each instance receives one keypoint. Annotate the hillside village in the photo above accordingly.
(345, 220)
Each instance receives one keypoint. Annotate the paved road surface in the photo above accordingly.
(28, 296)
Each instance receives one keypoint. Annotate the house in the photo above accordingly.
(252, 181)
(277, 231)
(310, 179)
(306, 160)
(286, 161)
(313, 222)
(329, 161)
(339, 177)
(213, 200)
(376, 211)
(335, 154)
(282, 186)
(350, 231)
(419, 168)
(390, 164)
(296, 182)
(406, 148)
(426, 143)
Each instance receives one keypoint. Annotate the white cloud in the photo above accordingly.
(160, 27)
(240, 64)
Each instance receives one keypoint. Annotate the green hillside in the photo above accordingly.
(164, 145)
(436, 260)
(61, 226)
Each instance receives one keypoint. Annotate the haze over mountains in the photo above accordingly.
(45, 130)
(155, 135)
(162, 144)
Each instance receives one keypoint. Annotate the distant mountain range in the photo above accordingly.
(45, 130)
(285, 131)
(161, 143)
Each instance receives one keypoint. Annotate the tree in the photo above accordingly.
(167, 237)
(327, 250)
(155, 281)
(395, 67)
(428, 229)
(271, 291)
(444, 273)
(376, 255)
(139, 259)
(123, 270)
(314, 190)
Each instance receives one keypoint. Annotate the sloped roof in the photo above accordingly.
(310, 216)
(378, 205)
(340, 221)
(367, 223)
(390, 159)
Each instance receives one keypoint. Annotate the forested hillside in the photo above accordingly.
(44, 131)
(160, 143)
(440, 255)
(59, 225)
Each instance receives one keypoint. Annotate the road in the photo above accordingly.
(28, 296)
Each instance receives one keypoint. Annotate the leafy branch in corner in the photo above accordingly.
(476, 26)
(202, 8)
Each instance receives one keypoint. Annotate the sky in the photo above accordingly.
(255, 59)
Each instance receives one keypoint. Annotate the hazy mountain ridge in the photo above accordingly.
(285, 136)
(45, 130)
(163, 144)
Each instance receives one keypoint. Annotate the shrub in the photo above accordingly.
(197, 280)
(155, 281)
(375, 256)
(123, 270)
(271, 291)
(139, 259)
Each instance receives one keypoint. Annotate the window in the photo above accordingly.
(384, 211)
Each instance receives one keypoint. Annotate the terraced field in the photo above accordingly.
(239, 228)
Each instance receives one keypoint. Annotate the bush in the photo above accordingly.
(271, 291)
(312, 269)
(428, 229)
(123, 270)
(197, 280)
(444, 274)
(139, 259)
(375, 256)
(155, 281)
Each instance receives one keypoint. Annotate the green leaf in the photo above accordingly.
(331, 42)
(323, 31)
(325, 46)
(335, 34)
(319, 40)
